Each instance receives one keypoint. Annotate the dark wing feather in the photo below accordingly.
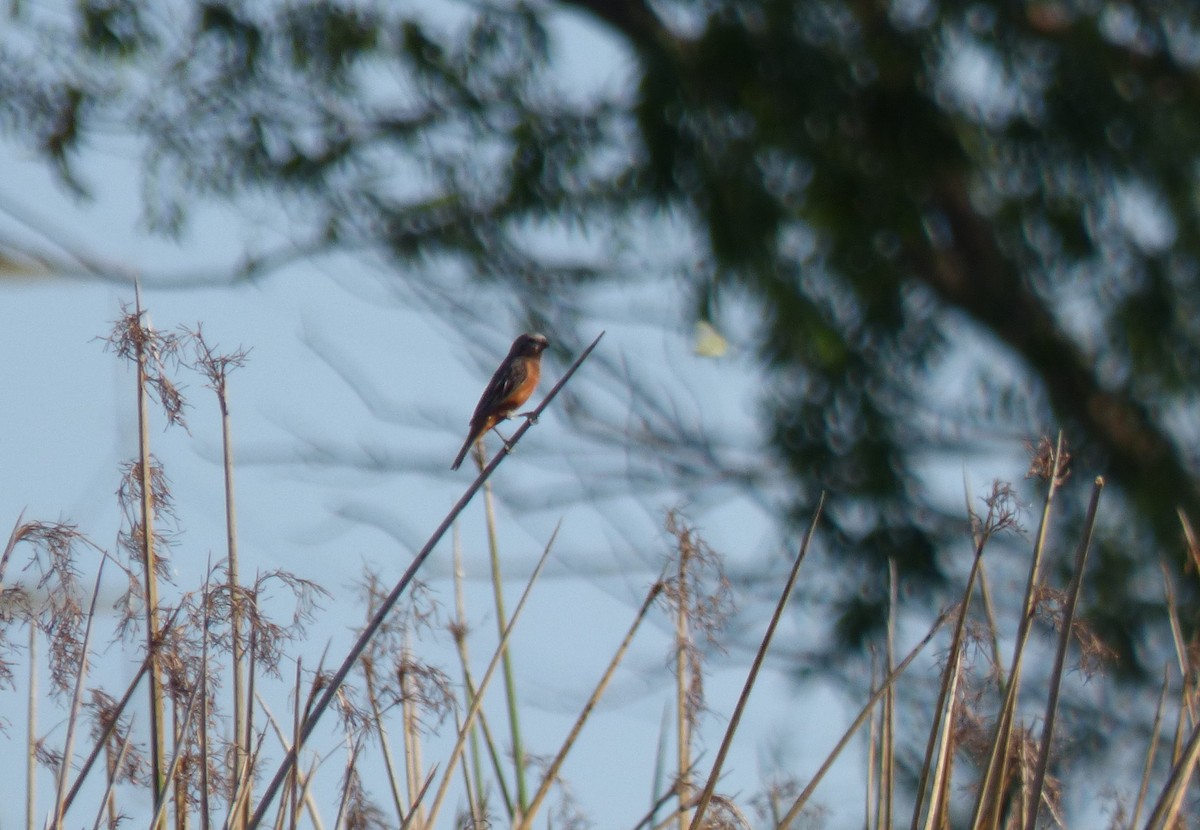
(507, 379)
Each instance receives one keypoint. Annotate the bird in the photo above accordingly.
(511, 385)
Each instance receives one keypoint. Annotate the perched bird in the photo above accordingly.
(510, 386)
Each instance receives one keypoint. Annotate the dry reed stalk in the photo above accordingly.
(172, 770)
(470, 785)
(348, 777)
(735, 719)
(458, 632)
(940, 790)
(863, 713)
(1177, 640)
(1060, 658)
(887, 748)
(648, 820)
(488, 739)
(292, 793)
(660, 764)
(240, 795)
(216, 368)
(1001, 515)
(111, 725)
(1155, 733)
(19, 531)
(412, 734)
(59, 812)
(473, 710)
(510, 682)
(870, 796)
(684, 677)
(1170, 801)
(368, 669)
(978, 530)
(149, 556)
(305, 778)
(551, 774)
(991, 792)
(1182, 652)
(107, 800)
(30, 726)
(408, 820)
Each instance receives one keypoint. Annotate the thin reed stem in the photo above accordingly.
(475, 798)
(945, 703)
(106, 801)
(1155, 734)
(506, 665)
(31, 729)
(172, 770)
(1060, 658)
(76, 705)
(735, 719)
(551, 774)
(389, 763)
(1170, 800)
(990, 791)
(149, 560)
(473, 710)
(887, 743)
(863, 713)
(683, 682)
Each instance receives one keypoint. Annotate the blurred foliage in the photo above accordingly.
(875, 177)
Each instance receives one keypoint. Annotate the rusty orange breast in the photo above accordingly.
(531, 375)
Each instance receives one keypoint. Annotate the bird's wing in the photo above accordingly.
(507, 379)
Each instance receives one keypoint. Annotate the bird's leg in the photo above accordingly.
(530, 416)
(507, 443)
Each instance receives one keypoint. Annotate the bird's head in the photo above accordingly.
(529, 344)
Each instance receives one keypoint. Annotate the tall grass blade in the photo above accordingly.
(735, 719)
(1060, 658)
(477, 702)
(1170, 800)
(458, 631)
(990, 794)
(112, 780)
(76, 705)
(1155, 734)
(385, 746)
(940, 791)
(552, 770)
(173, 768)
(887, 744)
(864, 712)
(683, 683)
(945, 702)
(149, 556)
(31, 728)
(506, 665)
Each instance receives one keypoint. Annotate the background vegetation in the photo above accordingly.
(942, 229)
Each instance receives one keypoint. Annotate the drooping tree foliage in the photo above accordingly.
(874, 178)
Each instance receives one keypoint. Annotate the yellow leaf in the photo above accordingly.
(709, 342)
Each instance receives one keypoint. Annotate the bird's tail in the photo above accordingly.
(466, 447)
